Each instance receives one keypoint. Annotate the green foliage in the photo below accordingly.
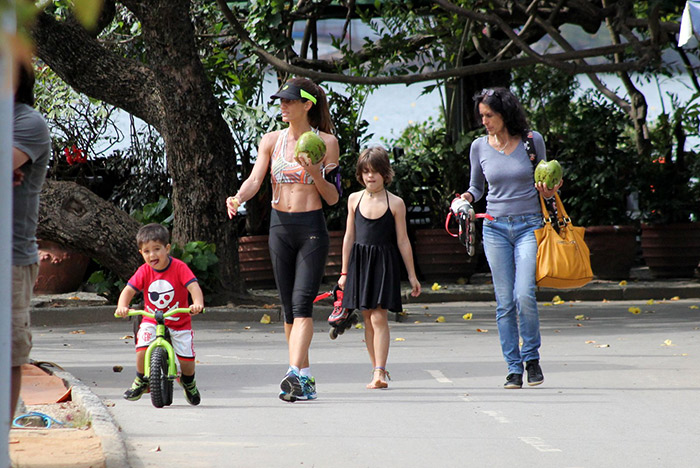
(669, 187)
(430, 170)
(591, 139)
(600, 162)
(157, 212)
(351, 131)
(107, 284)
(201, 257)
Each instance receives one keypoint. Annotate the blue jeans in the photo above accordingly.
(511, 250)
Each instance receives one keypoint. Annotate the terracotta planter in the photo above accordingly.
(613, 250)
(61, 270)
(671, 250)
(438, 256)
(256, 266)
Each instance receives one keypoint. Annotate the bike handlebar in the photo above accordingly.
(145, 313)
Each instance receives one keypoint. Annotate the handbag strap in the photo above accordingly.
(561, 214)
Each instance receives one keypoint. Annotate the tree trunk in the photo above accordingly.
(75, 217)
(171, 92)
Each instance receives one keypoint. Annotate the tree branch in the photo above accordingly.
(92, 69)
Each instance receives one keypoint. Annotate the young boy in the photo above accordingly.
(165, 282)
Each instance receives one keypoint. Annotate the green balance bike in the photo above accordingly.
(160, 362)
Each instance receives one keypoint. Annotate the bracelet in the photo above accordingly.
(343, 274)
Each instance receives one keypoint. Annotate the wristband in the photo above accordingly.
(343, 274)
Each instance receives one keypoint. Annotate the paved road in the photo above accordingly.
(621, 389)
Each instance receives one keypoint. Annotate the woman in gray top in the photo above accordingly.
(500, 158)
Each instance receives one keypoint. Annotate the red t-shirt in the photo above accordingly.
(165, 290)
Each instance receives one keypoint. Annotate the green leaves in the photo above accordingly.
(87, 12)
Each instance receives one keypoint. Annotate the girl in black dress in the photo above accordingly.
(374, 238)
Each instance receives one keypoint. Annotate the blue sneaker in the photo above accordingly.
(308, 388)
(291, 387)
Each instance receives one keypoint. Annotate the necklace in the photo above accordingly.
(503, 148)
(372, 194)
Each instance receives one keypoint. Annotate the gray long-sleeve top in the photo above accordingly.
(510, 177)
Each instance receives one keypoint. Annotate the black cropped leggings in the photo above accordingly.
(298, 249)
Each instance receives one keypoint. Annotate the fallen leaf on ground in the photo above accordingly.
(127, 337)
(651, 302)
(117, 368)
(359, 326)
(602, 346)
(246, 328)
(694, 307)
(590, 342)
(436, 287)
(417, 321)
(400, 339)
(635, 310)
(581, 317)
(77, 332)
(668, 343)
(605, 300)
(482, 330)
(74, 298)
(440, 319)
(547, 304)
(623, 283)
(265, 319)
(676, 298)
(467, 316)
(156, 449)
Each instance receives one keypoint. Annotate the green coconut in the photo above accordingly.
(549, 173)
(310, 145)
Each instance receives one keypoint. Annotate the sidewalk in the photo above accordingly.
(85, 308)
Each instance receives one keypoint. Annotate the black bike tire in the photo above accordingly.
(161, 386)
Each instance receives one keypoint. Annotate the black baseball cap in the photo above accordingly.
(294, 93)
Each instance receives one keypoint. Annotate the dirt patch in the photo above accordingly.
(70, 444)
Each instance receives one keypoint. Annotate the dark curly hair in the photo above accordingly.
(504, 103)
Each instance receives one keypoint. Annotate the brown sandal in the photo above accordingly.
(379, 380)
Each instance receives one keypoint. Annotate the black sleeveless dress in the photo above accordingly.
(374, 272)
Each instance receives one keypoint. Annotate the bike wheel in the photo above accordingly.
(161, 385)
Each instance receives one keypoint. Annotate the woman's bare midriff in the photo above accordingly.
(297, 198)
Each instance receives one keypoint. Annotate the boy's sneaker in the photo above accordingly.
(191, 392)
(291, 387)
(514, 381)
(534, 372)
(138, 388)
(308, 388)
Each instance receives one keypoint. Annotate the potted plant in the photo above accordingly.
(669, 194)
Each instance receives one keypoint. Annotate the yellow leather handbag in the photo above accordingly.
(563, 258)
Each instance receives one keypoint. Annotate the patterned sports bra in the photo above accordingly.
(287, 172)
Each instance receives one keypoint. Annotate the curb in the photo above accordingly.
(104, 425)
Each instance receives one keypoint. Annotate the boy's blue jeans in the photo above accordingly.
(511, 250)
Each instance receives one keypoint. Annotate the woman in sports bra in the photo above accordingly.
(298, 236)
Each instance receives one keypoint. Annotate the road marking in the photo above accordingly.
(539, 444)
(497, 415)
(439, 376)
